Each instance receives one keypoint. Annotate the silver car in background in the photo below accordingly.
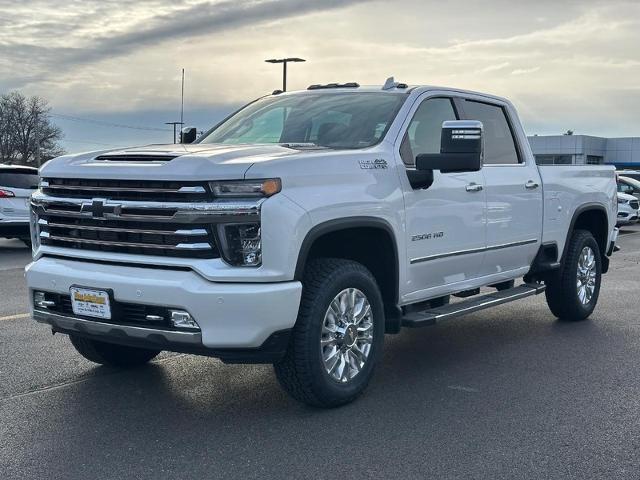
(16, 186)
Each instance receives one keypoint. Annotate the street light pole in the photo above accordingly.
(284, 76)
(174, 128)
(181, 122)
(284, 62)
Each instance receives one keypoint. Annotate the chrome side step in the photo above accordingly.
(435, 315)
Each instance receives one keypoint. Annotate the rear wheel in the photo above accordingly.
(111, 354)
(572, 293)
(338, 335)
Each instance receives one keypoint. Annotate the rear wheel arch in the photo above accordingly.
(593, 218)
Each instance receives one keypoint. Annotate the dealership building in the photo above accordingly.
(585, 149)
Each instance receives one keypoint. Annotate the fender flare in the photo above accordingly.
(347, 223)
(579, 211)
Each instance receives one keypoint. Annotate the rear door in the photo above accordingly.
(513, 189)
(445, 223)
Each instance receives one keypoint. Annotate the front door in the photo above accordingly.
(446, 221)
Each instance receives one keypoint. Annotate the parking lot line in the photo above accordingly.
(15, 317)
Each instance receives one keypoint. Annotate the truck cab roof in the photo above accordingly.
(395, 87)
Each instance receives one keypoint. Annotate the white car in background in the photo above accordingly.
(627, 209)
(629, 185)
(635, 174)
(16, 186)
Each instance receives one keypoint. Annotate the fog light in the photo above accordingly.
(182, 319)
(40, 300)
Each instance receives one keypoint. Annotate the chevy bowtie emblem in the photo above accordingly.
(99, 208)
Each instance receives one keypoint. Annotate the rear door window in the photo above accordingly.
(499, 144)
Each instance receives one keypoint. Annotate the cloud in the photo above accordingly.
(119, 57)
(170, 25)
(524, 71)
(494, 68)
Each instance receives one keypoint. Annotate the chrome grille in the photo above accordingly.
(135, 217)
(119, 236)
(126, 189)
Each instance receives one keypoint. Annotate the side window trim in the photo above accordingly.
(507, 116)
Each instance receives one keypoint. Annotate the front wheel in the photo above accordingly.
(573, 292)
(338, 335)
(111, 354)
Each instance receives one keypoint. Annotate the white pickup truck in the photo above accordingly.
(308, 224)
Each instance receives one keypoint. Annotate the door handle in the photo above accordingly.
(473, 187)
(530, 185)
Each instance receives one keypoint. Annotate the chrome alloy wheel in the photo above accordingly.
(586, 275)
(347, 335)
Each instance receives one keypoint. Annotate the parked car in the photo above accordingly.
(629, 185)
(635, 174)
(16, 186)
(627, 209)
(307, 225)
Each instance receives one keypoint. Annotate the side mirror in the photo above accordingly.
(188, 135)
(461, 148)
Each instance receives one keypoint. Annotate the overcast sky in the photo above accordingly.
(565, 64)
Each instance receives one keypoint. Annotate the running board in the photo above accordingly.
(435, 315)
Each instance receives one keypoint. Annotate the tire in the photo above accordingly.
(111, 354)
(303, 372)
(563, 294)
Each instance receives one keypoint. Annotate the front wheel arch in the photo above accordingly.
(369, 241)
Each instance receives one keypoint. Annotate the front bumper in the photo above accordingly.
(241, 321)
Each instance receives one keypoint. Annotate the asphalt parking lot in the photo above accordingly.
(506, 393)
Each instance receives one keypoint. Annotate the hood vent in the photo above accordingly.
(136, 158)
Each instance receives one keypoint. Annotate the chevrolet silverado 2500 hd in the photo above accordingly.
(307, 225)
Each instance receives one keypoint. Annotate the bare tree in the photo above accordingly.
(27, 136)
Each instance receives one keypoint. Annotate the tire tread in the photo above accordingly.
(560, 288)
(294, 371)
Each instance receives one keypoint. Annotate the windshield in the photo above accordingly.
(334, 120)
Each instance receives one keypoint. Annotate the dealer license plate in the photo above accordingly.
(90, 303)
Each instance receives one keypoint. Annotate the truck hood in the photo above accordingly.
(166, 162)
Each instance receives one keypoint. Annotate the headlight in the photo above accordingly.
(240, 243)
(246, 188)
(34, 229)
(622, 201)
